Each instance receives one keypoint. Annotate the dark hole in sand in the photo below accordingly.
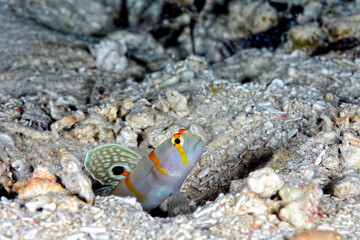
(139, 139)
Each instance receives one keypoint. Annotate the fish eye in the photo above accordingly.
(177, 140)
(118, 170)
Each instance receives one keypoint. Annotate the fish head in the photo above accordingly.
(179, 154)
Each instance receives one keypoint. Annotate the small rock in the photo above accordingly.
(264, 182)
(94, 128)
(7, 149)
(252, 204)
(21, 169)
(341, 30)
(306, 37)
(264, 17)
(50, 207)
(350, 139)
(126, 106)
(331, 162)
(110, 55)
(36, 204)
(311, 12)
(66, 121)
(237, 185)
(108, 111)
(6, 139)
(71, 204)
(169, 81)
(162, 104)
(317, 235)
(140, 120)
(73, 178)
(347, 187)
(187, 74)
(42, 172)
(39, 186)
(79, 183)
(350, 152)
(69, 162)
(55, 112)
(127, 137)
(327, 137)
(85, 132)
(177, 102)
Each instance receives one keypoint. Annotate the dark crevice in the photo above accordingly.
(122, 21)
(157, 212)
(4, 193)
(246, 79)
(80, 197)
(257, 162)
(139, 139)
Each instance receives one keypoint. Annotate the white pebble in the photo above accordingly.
(264, 182)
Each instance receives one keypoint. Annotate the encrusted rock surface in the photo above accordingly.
(282, 129)
(94, 17)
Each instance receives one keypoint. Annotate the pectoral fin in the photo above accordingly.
(105, 191)
(178, 204)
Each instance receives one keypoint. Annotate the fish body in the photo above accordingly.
(155, 177)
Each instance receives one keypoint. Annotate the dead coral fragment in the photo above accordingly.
(306, 38)
(350, 152)
(347, 187)
(73, 178)
(177, 102)
(109, 112)
(301, 204)
(42, 182)
(67, 121)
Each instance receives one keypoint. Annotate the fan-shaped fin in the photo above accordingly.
(105, 191)
(106, 162)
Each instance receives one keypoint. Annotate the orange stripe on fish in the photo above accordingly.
(182, 131)
(130, 186)
(154, 159)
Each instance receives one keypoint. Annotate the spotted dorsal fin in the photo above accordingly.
(107, 162)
